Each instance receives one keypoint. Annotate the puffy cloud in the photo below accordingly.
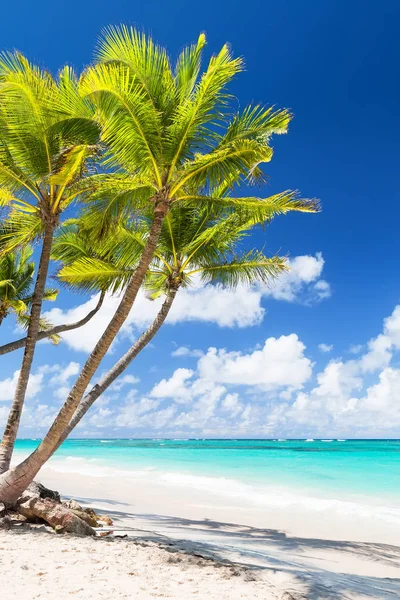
(267, 392)
(302, 282)
(123, 381)
(140, 413)
(338, 401)
(174, 387)
(99, 418)
(232, 405)
(378, 355)
(8, 386)
(280, 363)
(331, 397)
(384, 396)
(392, 327)
(64, 373)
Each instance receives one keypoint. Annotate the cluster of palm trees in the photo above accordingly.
(128, 177)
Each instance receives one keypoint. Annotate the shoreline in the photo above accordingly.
(313, 554)
(280, 542)
(187, 494)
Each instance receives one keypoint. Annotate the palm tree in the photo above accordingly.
(16, 277)
(193, 244)
(172, 134)
(47, 142)
(48, 330)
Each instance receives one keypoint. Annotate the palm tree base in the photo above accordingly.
(38, 504)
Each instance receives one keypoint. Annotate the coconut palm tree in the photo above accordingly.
(172, 134)
(193, 244)
(48, 141)
(47, 330)
(16, 278)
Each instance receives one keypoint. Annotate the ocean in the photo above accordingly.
(347, 475)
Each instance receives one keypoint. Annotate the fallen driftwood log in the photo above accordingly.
(55, 514)
(38, 504)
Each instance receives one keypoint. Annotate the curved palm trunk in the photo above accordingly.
(14, 417)
(3, 313)
(119, 366)
(15, 481)
(11, 346)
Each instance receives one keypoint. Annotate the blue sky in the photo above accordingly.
(335, 65)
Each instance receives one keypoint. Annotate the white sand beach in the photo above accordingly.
(271, 553)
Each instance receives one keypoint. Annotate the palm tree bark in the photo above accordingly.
(3, 313)
(15, 481)
(11, 346)
(120, 366)
(14, 417)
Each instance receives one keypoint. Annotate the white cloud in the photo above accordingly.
(356, 348)
(123, 381)
(384, 396)
(267, 391)
(174, 387)
(232, 405)
(392, 327)
(279, 364)
(212, 304)
(378, 355)
(338, 400)
(63, 374)
(264, 393)
(8, 386)
(186, 351)
(325, 347)
(302, 282)
(139, 413)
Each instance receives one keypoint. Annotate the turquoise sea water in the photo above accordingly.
(352, 470)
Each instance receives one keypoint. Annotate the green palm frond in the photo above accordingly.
(23, 319)
(18, 307)
(148, 63)
(50, 294)
(175, 133)
(215, 167)
(16, 283)
(192, 242)
(256, 123)
(49, 141)
(246, 269)
(93, 274)
(131, 124)
(187, 69)
(188, 130)
(263, 209)
(18, 230)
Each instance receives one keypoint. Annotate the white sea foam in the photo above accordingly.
(256, 496)
(309, 440)
(278, 499)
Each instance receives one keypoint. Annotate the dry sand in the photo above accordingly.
(49, 567)
(281, 553)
